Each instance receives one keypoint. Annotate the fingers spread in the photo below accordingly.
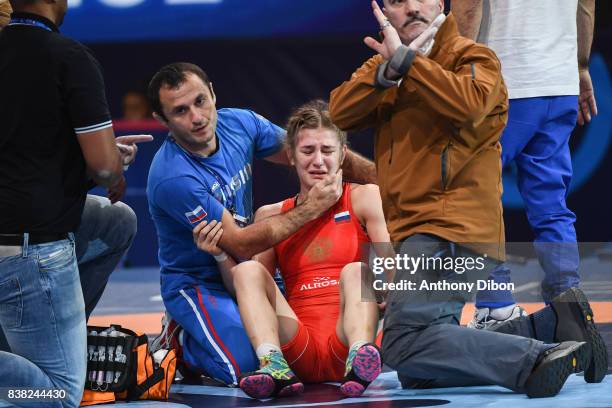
(380, 17)
(373, 44)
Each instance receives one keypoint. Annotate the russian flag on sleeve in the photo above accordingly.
(343, 216)
(196, 215)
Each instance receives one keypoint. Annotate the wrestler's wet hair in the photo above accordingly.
(172, 75)
(311, 115)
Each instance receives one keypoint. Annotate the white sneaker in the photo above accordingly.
(169, 336)
(486, 318)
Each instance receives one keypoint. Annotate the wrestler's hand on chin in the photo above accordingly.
(206, 236)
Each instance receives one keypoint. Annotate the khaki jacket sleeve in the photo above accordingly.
(353, 104)
(5, 13)
(466, 95)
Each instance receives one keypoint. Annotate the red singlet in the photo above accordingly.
(310, 262)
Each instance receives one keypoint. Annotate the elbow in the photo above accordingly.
(341, 118)
(242, 251)
(477, 108)
(340, 113)
(474, 116)
(341, 122)
(105, 171)
(245, 253)
(106, 177)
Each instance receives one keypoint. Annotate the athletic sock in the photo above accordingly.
(274, 363)
(355, 346)
(267, 348)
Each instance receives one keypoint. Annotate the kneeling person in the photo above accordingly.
(202, 172)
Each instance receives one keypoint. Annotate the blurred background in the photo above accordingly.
(273, 55)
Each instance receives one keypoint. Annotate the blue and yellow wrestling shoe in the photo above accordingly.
(274, 378)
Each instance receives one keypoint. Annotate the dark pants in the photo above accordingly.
(422, 338)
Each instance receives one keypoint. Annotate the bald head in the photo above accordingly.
(5, 13)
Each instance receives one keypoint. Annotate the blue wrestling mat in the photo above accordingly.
(143, 286)
(386, 392)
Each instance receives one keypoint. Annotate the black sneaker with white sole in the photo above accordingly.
(554, 366)
(575, 322)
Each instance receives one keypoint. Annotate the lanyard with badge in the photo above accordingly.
(229, 203)
(28, 21)
(227, 198)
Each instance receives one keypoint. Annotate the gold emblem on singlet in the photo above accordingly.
(318, 250)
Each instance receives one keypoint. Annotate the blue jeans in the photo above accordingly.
(103, 237)
(105, 234)
(43, 316)
(537, 140)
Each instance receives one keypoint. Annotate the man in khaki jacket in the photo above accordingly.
(439, 108)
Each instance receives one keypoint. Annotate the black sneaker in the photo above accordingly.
(575, 322)
(554, 366)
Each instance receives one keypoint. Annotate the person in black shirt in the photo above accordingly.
(113, 225)
(56, 136)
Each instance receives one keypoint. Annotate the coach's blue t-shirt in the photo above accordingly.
(184, 189)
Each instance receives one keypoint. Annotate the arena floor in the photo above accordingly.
(132, 299)
(143, 308)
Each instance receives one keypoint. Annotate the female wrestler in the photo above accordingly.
(323, 330)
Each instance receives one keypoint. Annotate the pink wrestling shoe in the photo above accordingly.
(363, 365)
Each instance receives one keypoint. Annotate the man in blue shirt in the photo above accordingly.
(203, 172)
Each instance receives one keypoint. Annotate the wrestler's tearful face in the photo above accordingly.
(411, 17)
(191, 113)
(317, 153)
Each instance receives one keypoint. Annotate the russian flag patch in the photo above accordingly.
(196, 215)
(343, 216)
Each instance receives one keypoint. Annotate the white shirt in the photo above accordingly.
(536, 42)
